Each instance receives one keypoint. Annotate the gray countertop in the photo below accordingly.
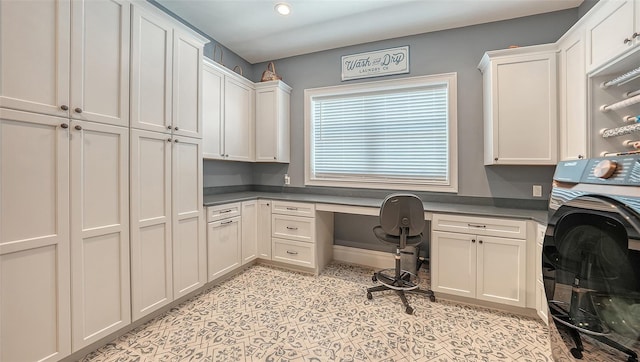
(451, 208)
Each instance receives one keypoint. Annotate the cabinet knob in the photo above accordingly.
(175, 128)
(78, 110)
(226, 155)
(168, 139)
(480, 241)
(580, 157)
(169, 127)
(64, 125)
(627, 40)
(222, 155)
(64, 108)
(635, 35)
(78, 127)
(473, 240)
(275, 158)
(495, 159)
(176, 141)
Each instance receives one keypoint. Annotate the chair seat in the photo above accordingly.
(395, 240)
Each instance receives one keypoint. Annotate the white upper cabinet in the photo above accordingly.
(228, 115)
(573, 96)
(272, 121)
(520, 113)
(71, 59)
(166, 67)
(151, 64)
(212, 112)
(611, 29)
(187, 93)
(239, 135)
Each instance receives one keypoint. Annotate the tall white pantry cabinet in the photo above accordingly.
(65, 167)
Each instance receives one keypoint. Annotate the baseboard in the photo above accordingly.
(370, 258)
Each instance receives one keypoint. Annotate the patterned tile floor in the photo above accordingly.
(270, 314)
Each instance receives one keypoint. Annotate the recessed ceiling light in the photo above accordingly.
(283, 8)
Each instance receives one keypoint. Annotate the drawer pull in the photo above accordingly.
(477, 226)
(292, 228)
(226, 222)
(225, 211)
(292, 252)
(292, 208)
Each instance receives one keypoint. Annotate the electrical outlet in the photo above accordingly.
(287, 179)
(537, 190)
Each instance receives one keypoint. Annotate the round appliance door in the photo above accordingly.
(591, 267)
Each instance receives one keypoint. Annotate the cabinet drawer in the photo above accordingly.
(293, 208)
(215, 213)
(293, 252)
(516, 229)
(292, 227)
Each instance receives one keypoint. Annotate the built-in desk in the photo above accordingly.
(371, 206)
(458, 214)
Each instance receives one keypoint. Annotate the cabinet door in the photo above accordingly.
(151, 257)
(212, 113)
(238, 121)
(453, 263)
(573, 97)
(35, 320)
(34, 55)
(187, 90)
(268, 135)
(151, 65)
(189, 258)
(501, 270)
(272, 123)
(523, 123)
(264, 229)
(609, 32)
(100, 38)
(249, 231)
(99, 191)
(223, 246)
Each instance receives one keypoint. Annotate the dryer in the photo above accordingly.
(591, 253)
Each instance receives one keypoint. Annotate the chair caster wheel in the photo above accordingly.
(369, 296)
(409, 310)
(432, 298)
(576, 353)
(374, 278)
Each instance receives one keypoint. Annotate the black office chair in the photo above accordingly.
(401, 224)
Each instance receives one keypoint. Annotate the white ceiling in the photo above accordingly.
(254, 31)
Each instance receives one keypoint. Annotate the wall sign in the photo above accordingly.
(376, 63)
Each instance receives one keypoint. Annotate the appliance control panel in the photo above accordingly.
(617, 170)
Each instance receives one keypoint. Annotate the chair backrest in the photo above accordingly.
(402, 211)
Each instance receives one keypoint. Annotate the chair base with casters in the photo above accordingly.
(401, 224)
(401, 281)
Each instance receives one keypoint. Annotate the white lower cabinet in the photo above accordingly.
(99, 190)
(168, 257)
(35, 314)
(264, 229)
(472, 263)
(224, 240)
(249, 231)
(541, 298)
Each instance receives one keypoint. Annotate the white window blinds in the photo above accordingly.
(396, 135)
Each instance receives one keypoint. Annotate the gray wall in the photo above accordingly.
(456, 50)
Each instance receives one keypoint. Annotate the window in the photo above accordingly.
(394, 134)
